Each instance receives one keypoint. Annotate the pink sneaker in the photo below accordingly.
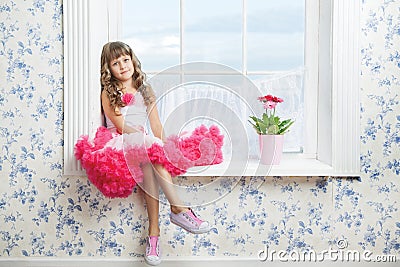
(153, 254)
(190, 222)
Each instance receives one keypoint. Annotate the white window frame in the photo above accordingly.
(331, 102)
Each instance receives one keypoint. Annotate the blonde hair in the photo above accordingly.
(111, 85)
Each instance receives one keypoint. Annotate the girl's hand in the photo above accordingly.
(138, 128)
(155, 123)
(132, 129)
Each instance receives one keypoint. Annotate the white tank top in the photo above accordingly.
(134, 114)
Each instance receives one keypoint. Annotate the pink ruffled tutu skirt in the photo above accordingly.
(113, 161)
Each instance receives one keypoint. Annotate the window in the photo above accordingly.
(261, 40)
(331, 115)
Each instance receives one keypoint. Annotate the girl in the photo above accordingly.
(121, 77)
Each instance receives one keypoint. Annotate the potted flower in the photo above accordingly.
(270, 129)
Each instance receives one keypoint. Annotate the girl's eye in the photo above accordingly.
(115, 63)
(126, 59)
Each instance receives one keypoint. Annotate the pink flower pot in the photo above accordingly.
(271, 147)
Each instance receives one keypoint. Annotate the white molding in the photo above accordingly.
(82, 48)
(76, 78)
(345, 86)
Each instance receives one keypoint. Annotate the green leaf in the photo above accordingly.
(253, 118)
(256, 127)
(283, 123)
(253, 124)
(270, 121)
(284, 129)
(273, 129)
(263, 127)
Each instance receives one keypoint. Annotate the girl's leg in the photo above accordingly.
(180, 215)
(165, 181)
(151, 195)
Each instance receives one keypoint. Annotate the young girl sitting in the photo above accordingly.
(128, 102)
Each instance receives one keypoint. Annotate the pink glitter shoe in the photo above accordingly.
(190, 222)
(153, 253)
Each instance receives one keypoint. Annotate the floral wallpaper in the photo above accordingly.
(44, 214)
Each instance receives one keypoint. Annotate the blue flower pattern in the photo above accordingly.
(43, 213)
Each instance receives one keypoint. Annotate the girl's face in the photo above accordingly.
(122, 68)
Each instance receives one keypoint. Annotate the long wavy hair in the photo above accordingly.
(111, 85)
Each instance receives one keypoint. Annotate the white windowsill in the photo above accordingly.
(290, 165)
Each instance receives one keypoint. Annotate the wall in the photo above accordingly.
(44, 214)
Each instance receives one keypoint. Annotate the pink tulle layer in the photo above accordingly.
(115, 172)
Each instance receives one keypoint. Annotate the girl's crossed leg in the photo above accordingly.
(156, 176)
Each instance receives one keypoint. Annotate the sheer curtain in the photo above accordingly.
(208, 93)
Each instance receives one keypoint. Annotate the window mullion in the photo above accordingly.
(244, 38)
(181, 33)
(311, 78)
(181, 30)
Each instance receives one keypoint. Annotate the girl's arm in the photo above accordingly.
(155, 123)
(117, 120)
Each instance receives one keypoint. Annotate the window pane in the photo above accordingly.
(213, 32)
(275, 31)
(289, 87)
(153, 33)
